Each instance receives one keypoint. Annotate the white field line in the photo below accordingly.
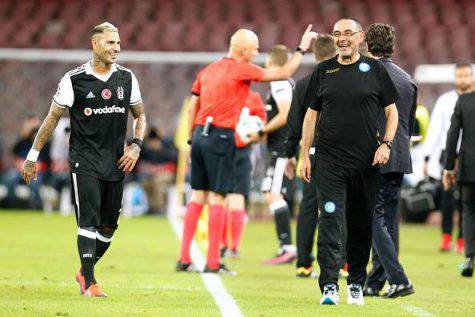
(226, 303)
(417, 311)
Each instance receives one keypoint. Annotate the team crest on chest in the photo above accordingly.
(106, 94)
(120, 93)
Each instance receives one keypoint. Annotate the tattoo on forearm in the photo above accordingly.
(47, 127)
(140, 120)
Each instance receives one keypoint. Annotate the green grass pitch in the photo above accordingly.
(38, 260)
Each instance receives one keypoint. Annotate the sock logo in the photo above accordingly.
(87, 255)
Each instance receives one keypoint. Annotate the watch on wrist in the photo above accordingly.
(388, 143)
(138, 141)
(300, 50)
(261, 133)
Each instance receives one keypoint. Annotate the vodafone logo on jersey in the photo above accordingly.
(106, 110)
(106, 94)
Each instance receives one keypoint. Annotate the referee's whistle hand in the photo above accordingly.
(305, 169)
(28, 171)
(131, 155)
(382, 155)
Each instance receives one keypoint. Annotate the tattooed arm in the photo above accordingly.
(132, 152)
(44, 133)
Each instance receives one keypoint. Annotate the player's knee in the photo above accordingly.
(199, 196)
(106, 230)
(217, 198)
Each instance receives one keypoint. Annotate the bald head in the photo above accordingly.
(244, 44)
(244, 38)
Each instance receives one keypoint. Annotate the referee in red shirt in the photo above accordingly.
(218, 95)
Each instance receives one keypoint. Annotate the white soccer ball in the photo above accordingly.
(248, 125)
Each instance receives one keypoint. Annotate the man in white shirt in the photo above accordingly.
(434, 148)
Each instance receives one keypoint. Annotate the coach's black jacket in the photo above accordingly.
(296, 116)
(463, 118)
(400, 159)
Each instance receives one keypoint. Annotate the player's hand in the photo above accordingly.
(254, 138)
(307, 38)
(28, 171)
(448, 179)
(305, 168)
(382, 154)
(290, 168)
(129, 159)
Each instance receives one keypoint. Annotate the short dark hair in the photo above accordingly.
(380, 38)
(279, 54)
(463, 65)
(324, 47)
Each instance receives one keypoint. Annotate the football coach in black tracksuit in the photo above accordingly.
(323, 48)
(380, 39)
(463, 118)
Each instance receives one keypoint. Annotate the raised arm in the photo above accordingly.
(132, 152)
(289, 68)
(43, 135)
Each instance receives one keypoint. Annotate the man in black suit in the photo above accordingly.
(463, 118)
(380, 40)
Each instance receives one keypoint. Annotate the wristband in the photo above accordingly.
(138, 141)
(33, 155)
(261, 133)
(300, 50)
(388, 143)
(189, 141)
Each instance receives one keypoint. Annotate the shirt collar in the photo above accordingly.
(90, 71)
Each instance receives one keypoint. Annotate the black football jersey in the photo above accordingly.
(280, 91)
(98, 107)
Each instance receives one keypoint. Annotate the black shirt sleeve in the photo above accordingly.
(295, 118)
(312, 97)
(387, 90)
(453, 135)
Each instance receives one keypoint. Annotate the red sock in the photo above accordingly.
(237, 219)
(224, 238)
(217, 214)
(190, 222)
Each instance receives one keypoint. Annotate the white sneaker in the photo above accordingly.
(355, 294)
(330, 295)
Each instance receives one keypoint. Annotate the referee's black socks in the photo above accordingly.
(87, 253)
(281, 212)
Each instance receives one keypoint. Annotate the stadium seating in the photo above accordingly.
(428, 31)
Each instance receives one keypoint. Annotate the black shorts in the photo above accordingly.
(97, 202)
(242, 171)
(212, 160)
(275, 180)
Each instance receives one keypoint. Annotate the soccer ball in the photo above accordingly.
(248, 125)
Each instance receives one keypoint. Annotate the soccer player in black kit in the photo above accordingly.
(99, 96)
(347, 94)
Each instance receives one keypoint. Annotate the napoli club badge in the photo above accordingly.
(120, 93)
(106, 94)
(364, 67)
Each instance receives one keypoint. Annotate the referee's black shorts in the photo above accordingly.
(97, 202)
(212, 160)
(242, 171)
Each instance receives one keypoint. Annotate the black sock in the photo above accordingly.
(87, 253)
(103, 242)
(282, 224)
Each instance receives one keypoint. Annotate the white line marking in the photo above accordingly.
(226, 303)
(417, 311)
